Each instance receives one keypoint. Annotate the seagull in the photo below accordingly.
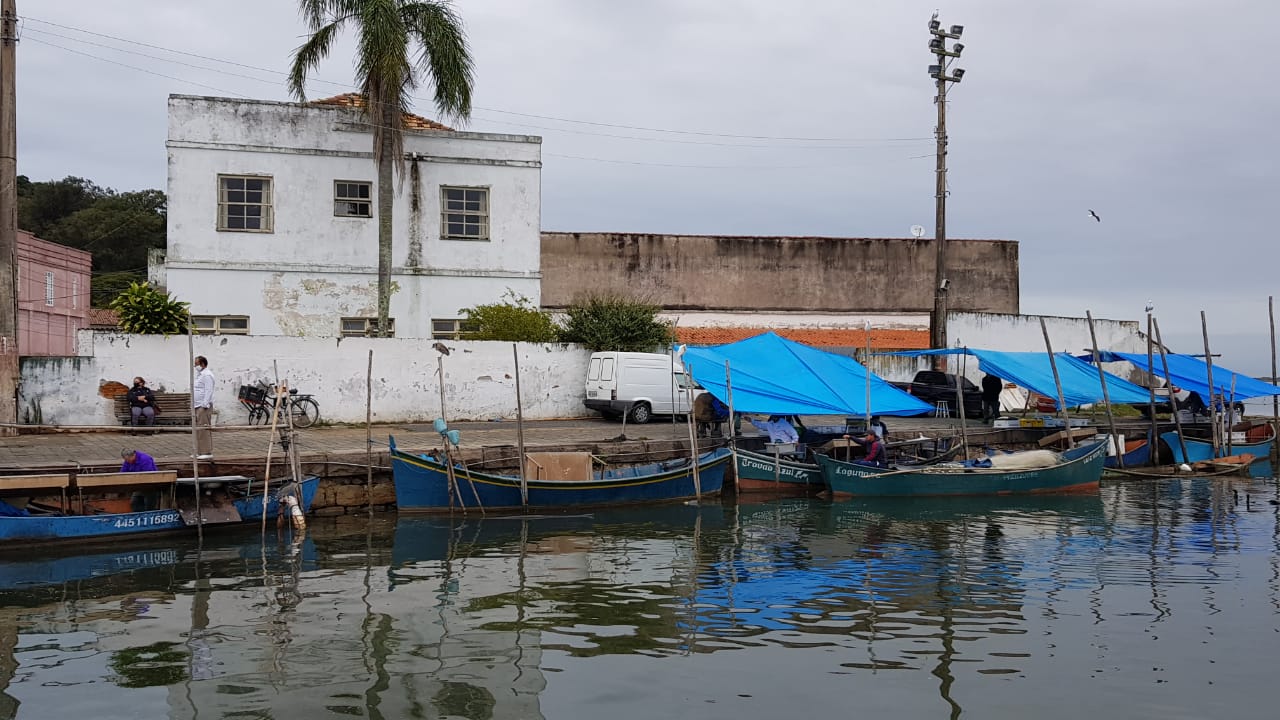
(1095, 216)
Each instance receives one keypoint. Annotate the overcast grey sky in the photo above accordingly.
(1158, 115)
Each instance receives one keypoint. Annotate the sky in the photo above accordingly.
(756, 117)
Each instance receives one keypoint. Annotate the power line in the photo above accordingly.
(348, 86)
(135, 67)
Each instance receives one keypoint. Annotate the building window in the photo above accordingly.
(48, 289)
(351, 199)
(464, 213)
(364, 327)
(220, 324)
(442, 329)
(244, 203)
(75, 292)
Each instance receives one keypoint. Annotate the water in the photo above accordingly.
(1150, 600)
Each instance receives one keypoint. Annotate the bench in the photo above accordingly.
(24, 485)
(174, 409)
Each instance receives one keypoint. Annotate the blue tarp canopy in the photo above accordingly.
(1031, 370)
(1192, 373)
(775, 376)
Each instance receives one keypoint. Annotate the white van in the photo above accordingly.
(643, 384)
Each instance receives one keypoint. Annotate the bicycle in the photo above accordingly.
(259, 399)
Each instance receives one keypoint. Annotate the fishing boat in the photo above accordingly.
(1078, 469)
(1247, 439)
(1137, 453)
(757, 471)
(86, 507)
(426, 483)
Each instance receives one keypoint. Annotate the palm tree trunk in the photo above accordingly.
(386, 196)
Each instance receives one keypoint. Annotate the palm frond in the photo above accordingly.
(383, 70)
(444, 55)
(308, 56)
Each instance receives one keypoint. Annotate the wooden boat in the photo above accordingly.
(423, 484)
(1079, 471)
(226, 500)
(760, 472)
(1257, 442)
(1137, 453)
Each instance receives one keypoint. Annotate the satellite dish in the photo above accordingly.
(917, 231)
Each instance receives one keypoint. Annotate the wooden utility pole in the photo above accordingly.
(938, 46)
(8, 216)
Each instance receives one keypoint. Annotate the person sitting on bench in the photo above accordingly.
(876, 455)
(142, 404)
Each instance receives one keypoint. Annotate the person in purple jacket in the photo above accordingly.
(135, 461)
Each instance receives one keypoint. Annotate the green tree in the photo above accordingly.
(514, 320)
(42, 204)
(119, 230)
(147, 311)
(607, 322)
(400, 43)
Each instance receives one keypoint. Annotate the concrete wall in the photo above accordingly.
(808, 274)
(1021, 333)
(479, 377)
(314, 268)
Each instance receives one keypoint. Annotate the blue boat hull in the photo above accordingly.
(422, 485)
(43, 528)
(1137, 457)
(1200, 450)
(1081, 473)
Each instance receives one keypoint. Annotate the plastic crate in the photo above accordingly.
(250, 393)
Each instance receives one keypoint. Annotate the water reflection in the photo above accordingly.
(741, 608)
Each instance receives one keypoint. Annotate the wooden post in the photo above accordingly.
(1231, 414)
(1106, 396)
(440, 373)
(1177, 420)
(1151, 388)
(195, 446)
(271, 445)
(964, 427)
(733, 436)
(1057, 384)
(866, 366)
(693, 440)
(524, 481)
(1208, 364)
(1275, 379)
(368, 432)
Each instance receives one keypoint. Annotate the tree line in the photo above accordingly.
(119, 228)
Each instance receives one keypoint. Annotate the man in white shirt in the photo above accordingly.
(778, 429)
(202, 401)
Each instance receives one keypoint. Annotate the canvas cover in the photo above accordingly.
(1191, 373)
(775, 376)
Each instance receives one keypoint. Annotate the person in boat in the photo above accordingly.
(876, 455)
(135, 461)
(142, 404)
(992, 386)
(879, 428)
(778, 429)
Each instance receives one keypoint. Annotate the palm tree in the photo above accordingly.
(401, 44)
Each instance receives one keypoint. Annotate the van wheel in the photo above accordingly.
(641, 414)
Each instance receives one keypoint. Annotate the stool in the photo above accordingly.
(942, 409)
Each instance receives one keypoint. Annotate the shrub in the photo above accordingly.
(147, 311)
(515, 320)
(616, 323)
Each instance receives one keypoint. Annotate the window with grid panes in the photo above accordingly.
(352, 199)
(364, 327)
(220, 324)
(449, 329)
(464, 213)
(244, 203)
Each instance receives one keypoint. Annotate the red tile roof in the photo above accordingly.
(103, 318)
(881, 339)
(356, 100)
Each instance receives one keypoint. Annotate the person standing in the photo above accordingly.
(142, 404)
(202, 401)
(991, 389)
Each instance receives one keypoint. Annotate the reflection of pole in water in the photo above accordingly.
(8, 666)
(945, 579)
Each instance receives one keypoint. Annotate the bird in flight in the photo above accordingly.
(1094, 215)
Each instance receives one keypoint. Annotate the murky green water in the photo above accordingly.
(1151, 600)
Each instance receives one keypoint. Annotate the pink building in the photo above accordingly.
(53, 295)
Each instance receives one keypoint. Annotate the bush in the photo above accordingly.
(514, 320)
(616, 323)
(147, 311)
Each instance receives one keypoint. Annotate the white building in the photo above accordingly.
(273, 227)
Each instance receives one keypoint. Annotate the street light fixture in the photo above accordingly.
(942, 77)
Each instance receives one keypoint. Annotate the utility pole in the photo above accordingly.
(8, 216)
(941, 284)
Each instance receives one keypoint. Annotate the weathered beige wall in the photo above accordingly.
(779, 273)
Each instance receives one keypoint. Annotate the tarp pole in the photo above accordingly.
(1151, 388)
(1177, 421)
(1106, 396)
(1275, 380)
(964, 429)
(1057, 383)
(1208, 365)
(733, 436)
(866, 326)
(524, 479)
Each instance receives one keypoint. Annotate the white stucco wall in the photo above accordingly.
(1021, 333)
(314, 268)
(479, 377)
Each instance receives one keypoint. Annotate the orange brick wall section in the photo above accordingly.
(881, 339)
